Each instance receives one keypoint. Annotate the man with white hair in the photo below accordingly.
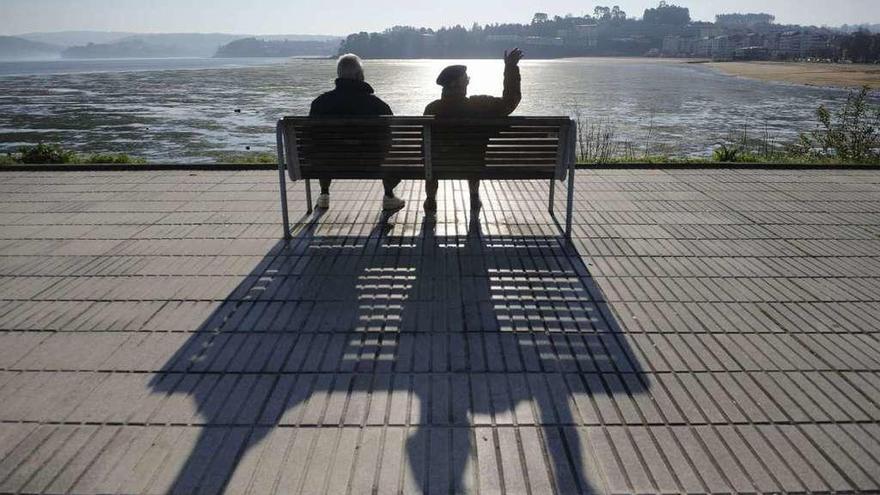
(353, 98)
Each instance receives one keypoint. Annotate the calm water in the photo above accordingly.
(185, 110)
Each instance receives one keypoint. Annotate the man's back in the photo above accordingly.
(481, 106)
(469, 145)
(350, 97)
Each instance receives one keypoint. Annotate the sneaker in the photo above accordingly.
(392, 203)
(323, 201)
(430, 206)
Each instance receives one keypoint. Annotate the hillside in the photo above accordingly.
(66, 39)
(253, 47)
(134, 48)
(153, 46)
(14, 48)
(187, 44)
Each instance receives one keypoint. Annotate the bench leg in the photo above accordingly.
(552, 195)
(570, 206)
(282, 184)
(310, 206)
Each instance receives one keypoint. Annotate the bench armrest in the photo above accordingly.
(287, 153)
(567, 150)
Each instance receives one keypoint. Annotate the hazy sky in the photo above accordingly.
(330, 17)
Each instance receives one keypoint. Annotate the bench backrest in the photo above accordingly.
(426, 147)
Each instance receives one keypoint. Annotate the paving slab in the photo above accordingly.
(706, 331)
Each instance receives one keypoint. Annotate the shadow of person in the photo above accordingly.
(497, 344)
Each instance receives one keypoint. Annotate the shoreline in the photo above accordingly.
(820, 75)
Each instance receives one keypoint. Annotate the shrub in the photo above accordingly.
(851, 134)
(597, 142)
(45, 154)
(725, 153)
(52, 154)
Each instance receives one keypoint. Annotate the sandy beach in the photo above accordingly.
(826, 75)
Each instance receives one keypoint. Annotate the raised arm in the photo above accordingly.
(493, 106)
(512, 81)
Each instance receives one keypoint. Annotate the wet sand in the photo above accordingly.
(824, 75)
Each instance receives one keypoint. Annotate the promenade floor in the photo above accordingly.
(708, 331)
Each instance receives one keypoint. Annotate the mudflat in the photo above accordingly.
(810, 74)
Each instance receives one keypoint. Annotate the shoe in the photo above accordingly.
(392, 203)
(476, 202)
(430, 206)
(323, 202)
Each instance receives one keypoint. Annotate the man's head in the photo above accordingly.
(454, 80)
(349, 66)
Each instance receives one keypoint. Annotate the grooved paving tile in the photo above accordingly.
(707, 331)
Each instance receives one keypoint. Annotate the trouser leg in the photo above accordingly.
(474, 186)
(431, 187)
(389, 185)
(325, 186)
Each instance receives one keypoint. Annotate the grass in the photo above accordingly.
(54, 154)
(252, 158)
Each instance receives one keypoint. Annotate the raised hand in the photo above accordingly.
(513, 57)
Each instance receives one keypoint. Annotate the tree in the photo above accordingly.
(861, 47)
(602, 13)
(617, 14)
(540, 17)
(666, 14)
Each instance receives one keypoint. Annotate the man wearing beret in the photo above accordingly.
(454, 102)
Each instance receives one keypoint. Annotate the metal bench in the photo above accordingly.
(419, 148)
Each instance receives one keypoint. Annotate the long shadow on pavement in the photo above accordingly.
(483, 332)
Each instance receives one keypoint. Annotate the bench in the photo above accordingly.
(419, 148)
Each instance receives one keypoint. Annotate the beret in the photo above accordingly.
(450, 74)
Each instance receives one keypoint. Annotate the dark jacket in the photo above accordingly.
(350, 98)
(481, 106)
(468, 147)
(369, 143)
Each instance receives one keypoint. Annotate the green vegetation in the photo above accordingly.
(851, 134)
(45, 153)
(667, 15)
(53, 154)
(251, 158)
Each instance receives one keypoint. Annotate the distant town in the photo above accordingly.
(666, 30)
(663, 31)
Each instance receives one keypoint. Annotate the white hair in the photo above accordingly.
(349, 66)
